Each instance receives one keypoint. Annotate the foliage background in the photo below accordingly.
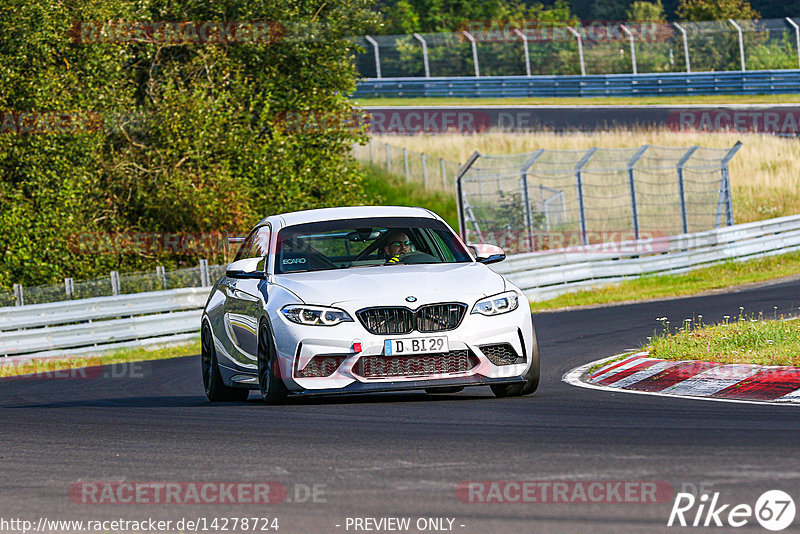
(191, 138)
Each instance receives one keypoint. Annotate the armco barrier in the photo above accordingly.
(650, 84)
(544, 275)
(101, 322)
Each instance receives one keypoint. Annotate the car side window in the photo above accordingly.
(256, 244)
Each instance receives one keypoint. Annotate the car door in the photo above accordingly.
(244, 301)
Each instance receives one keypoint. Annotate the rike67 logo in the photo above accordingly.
(774, 510)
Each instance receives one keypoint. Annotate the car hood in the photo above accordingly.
(390, 285)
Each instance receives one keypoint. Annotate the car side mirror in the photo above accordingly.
(485, 253)
(246, 268)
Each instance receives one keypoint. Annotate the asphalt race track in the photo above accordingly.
(403, 455)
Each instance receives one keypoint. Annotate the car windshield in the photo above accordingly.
(350, 243)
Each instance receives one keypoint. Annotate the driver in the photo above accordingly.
(397, 244)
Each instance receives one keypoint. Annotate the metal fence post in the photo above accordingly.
(69, 288)
(741, 41)
(19, 298)
(421, 39)
(388, 158)
(580, 48)
(579, 185)
(161, 273)
(374, 44)
(443, 171)
(633, 46)
(424, 171)
(796, 37)
(474, 52)
(681, 190)
(632, 184)
(405, 161)
(115, 283)
(726, 182)
(462, 221)
(523, 183)
(527, 54)
(204, 277)
(685, 45)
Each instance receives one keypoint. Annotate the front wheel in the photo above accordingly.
(531, 383)
(273, 390)
(215, 388)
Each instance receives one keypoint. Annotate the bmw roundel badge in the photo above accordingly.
(411, 299)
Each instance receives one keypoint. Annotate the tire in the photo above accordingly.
(531, 377)
(215, 388)
(273, 390)
(444, 389)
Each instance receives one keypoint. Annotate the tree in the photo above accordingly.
(646, 11)
(703, 10)
(192, 136)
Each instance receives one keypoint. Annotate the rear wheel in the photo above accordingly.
(215, 388)
(531, 377)
(273, 390)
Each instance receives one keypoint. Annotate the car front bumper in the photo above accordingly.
(298, 345)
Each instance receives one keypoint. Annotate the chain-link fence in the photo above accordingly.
(203, 275)
(552, 199)
(593, 47)
(416, 167)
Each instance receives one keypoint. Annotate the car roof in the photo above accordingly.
(353, 212)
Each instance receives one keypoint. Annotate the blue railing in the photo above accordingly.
(655, 84)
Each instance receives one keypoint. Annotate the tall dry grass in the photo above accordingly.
(765, 173)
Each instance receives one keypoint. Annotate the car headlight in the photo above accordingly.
(315, 315)
(497, 304)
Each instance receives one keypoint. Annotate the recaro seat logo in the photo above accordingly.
(774, 510)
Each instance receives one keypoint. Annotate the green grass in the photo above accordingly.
(720, 276)
(741, 340)
(577, 101)
(138, 354)
(390, 190)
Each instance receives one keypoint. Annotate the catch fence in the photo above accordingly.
(160, 279)
(530, 48)
(551, 199)
(416, 167)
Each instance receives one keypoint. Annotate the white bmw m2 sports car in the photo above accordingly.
(364, 299)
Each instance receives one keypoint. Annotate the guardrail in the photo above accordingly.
(547, 274)
(101, 323)
(649, 84)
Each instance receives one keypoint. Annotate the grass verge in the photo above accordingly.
(138, 354)
(744, 340)
(720, 276)
(388, 189)
(586, 101)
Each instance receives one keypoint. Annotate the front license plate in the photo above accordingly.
(419, 345)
